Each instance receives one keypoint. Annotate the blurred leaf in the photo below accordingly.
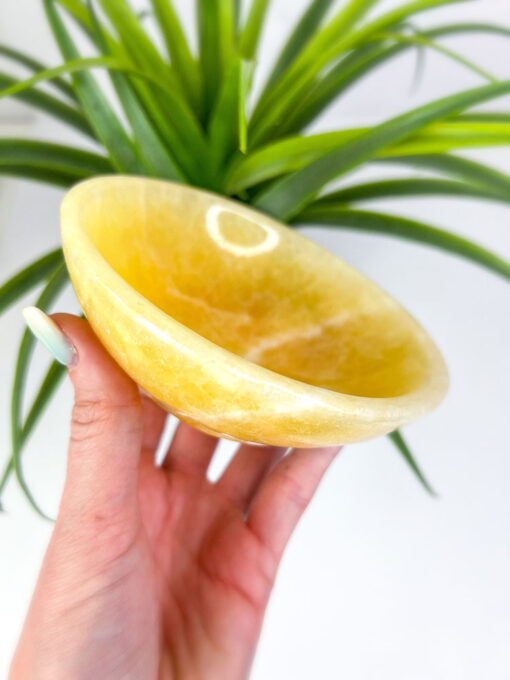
(345, 218)
(216, 38)
(423, 41)
(39, 173)
(28, 278)
(401, 446)
(36, 66)
(155, 156)
(227, 130)
(55, 156)
(46, 103)
(454, 166)
(250, 35)
(293, 153)
(51, 381)
(102, 118)
(288, 195)
(184, 65)
(410, 188)
(322, 51)
(303, 32)
(57, 281)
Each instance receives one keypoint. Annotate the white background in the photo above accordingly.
(380, 581)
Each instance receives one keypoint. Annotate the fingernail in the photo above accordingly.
(50, 335)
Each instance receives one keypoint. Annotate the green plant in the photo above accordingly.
(185, 119)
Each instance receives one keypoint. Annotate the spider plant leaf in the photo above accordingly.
(151, 147)
(250, 35)
(48, 104)
(28, 278)
(55, 156)
(346, 218)
(101, 116)
(286, 94)
(476, 174)
(40, 173)
(358, 63)
(56, 283)
(216, 38)
(288, 195)
(485, 117)
(422, 41)
(473, 27)
(79, 12)
(293, 153)
(402, 447)
(165, 102)
(411, 188)
(227, 128)
(335, 30)
(236, 15)
(184, 64)
(139, 46)
(51, 381)
(34, 65)
(298, 39)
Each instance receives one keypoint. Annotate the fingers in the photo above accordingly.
(154, 419)
(245, 473)
(190, 451)
(106, 427)
(285, 495)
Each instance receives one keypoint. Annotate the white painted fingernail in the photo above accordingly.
(50, 335)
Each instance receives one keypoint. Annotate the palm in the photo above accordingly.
(205, 570)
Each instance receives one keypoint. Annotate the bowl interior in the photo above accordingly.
(256, 288)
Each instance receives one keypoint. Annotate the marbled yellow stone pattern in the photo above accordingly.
(238, 324)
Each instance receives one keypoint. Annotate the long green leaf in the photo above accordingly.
(136, 41)
(469, 171)
(151, 147)
(358, 63)
(250, 35)
(39, 173)
(53, 288)
(216, 37)
(184, 65)
(346, 218)
(286, 94)
(411, 188)
(291, 154)
(227, 129)
(28, 278)
(78, 11)
(402, 447)
(292, 193)
(162, 99)
(54, 156)
(468, 27)
(51, 381)
(37, 66)
(424, 41)
(298, 39)
(336, 30)
(47, 103)
(102, 118)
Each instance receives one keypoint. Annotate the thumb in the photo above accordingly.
(106, 427)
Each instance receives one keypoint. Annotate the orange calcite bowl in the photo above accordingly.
(239, 325)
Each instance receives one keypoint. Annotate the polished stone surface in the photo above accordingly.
(238, 324)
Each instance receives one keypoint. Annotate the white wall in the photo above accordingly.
(380, 582)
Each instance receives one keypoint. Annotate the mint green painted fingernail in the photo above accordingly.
(50, 335)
